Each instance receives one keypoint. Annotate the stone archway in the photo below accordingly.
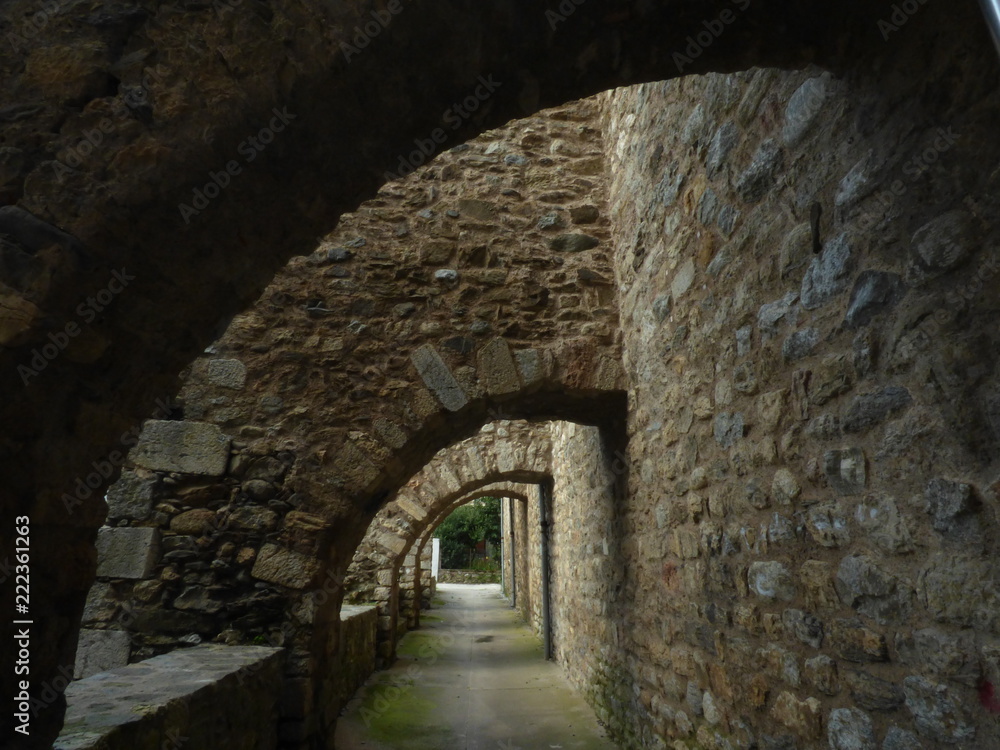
(413, 576)
(503, 452)
(312, 418)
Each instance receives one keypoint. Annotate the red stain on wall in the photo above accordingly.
(988, 697)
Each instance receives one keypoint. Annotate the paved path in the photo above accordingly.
(471, 678)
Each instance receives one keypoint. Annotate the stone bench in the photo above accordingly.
(202, 697)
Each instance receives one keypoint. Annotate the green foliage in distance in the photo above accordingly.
(465, 528)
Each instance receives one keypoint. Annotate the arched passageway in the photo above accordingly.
(502, 452)
(351, 371)
(756, 376)
(416, 590)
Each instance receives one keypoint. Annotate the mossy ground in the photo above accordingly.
(397, 717)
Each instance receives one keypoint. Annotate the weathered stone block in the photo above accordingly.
(804, 107)
(101, 650)
(827, 275)
(888, 528)
(858, 183)
(477, 209)
(800, 344)
(199, 599)
(870, 409)
(759, 177)
(253, 518)
(226, 373)
(817, 579)
(725, 140)
(937, 712)
(774, 313)
(865, 586)
(803, 626)
(850, 729)
(941, 245)
(827, 525)
(821, 672)
(874, 292)
(438, 378)
(785, 487)
(947, 503)
(900, 739)
(854, 642)
(185, 447)
(284, 567)
(872, 693)
(184, 698)
(804, 718)
(196, 522)
(497, 369)
(102, 605)
(131, 496)
(573, 243)
(951, 655)
(833, 376)
(772, 580)
(126, 552)
(682, 279)
(728, 429)
(962, 591)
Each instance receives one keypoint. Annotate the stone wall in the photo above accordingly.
(518, 584)
(168, 117)
(530, 601)
(357, 658)
(208, 696)
(469, 576)
(203, 542)
(508, 555)
(586, 554)
(808, 273)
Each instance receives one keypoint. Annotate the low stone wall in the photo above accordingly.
(207, 696)
(358, 633)
(468, 576)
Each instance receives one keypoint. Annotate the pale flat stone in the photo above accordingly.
(185, 447)
(127, 552)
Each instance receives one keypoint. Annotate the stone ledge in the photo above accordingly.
(357, 657)
(193, 693)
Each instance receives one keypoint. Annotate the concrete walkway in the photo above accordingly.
(471, 678)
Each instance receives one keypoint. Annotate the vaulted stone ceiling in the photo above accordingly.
(119, 114)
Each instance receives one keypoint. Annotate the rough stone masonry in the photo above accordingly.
(781, 283)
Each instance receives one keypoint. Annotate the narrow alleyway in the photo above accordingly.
(471, 678)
